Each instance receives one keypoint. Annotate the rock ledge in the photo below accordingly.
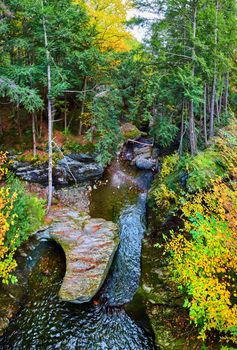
(89, 246)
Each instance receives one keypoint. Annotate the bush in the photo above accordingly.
(204, 260)
(28, 212)
(180, 178)
(163, 191)
(164, 131)
(20, 215)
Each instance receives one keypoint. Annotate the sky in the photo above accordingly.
(139, 32)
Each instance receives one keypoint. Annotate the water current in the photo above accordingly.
(45, 322)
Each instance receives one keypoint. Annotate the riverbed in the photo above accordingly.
(112, 320)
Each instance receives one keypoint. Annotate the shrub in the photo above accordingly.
(217, 161)
(203, 253)
(164, 131)
(163, 190)
(204, 260)
(20, 215)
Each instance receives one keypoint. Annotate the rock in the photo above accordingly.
(145, 164)
(75, 196)
(82, 157)
(130, 131)
(4, 323)
(89, 246)
(145, 151)
(73, 168)
(143, 158)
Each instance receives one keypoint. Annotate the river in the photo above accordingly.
(113, 320)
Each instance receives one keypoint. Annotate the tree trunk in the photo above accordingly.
(208, 100)
(220, 102)
(34, 135)
(41, 124)
(211, 132)
(192, 132)
(65, 113)
(182, 132)
(226, 92)
(213, 96)
(50, 124)
(205, 113)
(18, 121)
(82, 106)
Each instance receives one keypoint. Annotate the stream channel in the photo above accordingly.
(113, 320)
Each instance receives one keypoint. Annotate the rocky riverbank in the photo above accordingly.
(71, 169)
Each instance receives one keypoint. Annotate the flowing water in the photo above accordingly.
(45, 322)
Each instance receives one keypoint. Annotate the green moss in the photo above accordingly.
(130, 131)
(73, 146)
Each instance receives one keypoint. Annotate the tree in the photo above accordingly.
(189, 45)
(50, 117)
(109, 17)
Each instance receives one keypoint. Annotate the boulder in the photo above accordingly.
(143, 158)
(4, 323)
(145, 164)
(72, 168)
(145, 151)
(89, 246)
(130, 131)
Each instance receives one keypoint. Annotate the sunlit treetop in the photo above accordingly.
(109, 17)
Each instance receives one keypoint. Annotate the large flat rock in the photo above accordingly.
(89, 246)
(74, 168)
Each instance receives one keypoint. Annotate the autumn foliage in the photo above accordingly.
(7, 263)
(203, 251)
(204, 259)
(108, 17)
(20, 215)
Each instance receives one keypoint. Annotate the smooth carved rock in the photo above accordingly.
(89, 246)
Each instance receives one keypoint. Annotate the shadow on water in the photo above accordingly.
(45, 322)
(124, 277)
(119, 187)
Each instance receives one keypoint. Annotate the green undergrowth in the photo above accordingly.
(180, 178)
(201, 252)
(22, 214)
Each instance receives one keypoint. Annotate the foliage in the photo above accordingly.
(40, 158)
(71, 145)
(106, 130)
(193, 51)
(29, 98)
(169, 165)
(20, 215)
(203, 168)
(165, 198)
(28, 212)
(108, 17)
(219, 160)
(203, 250)
(205, 264)
(180, 178)
(164, 131)
(164, 195)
